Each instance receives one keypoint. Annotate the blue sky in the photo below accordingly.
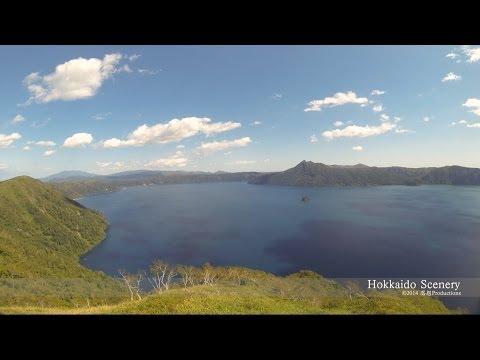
(105, 109)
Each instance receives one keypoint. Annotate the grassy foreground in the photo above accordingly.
(276, 295)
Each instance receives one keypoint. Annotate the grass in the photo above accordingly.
(254, 298)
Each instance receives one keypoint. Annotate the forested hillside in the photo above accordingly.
(42, 236)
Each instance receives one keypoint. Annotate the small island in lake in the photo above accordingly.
(305, 199)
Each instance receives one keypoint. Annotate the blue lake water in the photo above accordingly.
(378, 232)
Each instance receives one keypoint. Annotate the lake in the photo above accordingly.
(377, 232)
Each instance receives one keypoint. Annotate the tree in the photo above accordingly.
(208, 272)
(133, 282)
(184, 272)
(171, 273)
(235, 273)
(163, 274)
(195, 275)
(158, 270)
(354, 289)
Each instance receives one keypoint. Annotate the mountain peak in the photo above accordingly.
(305, 162)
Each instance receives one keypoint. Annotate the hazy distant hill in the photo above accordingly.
(136, 174)
(308, 173)
(72, 175)
(100, 184)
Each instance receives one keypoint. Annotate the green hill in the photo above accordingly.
(42, 236)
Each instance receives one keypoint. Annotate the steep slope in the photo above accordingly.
(308, 173)
(42, 235)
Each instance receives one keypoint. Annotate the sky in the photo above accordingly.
(106, 109)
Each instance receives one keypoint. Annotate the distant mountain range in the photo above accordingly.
(308, 173)
(77, 184)
(77, 175)
(69, 176)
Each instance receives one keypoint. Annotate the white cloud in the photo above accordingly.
(451, 77)
(175, 160)
(38, 124)
(180, 146)
(124, 68)
(45, 143)
(474, 105)
(378, 108)
(245, 162)
(78, 140)
(403, 131)
(359, 131)
(101, 116)
(133, 57)
(3, 167)
(475, 125)
(111, 165)
(472, 53)
(266, 160)
(7, 140)
(256, 123)
(426, 118)
(397, 118)
(378, 92)
(452, 56)
(27, 148)
(313, 138)
(211, 147)
(148, 72)
(103, 164)
(75, 79)
(174, 130)
(357, 148)
(338, 99)
(49, 153)
(18, 119)
(461, 122)
(277, 96)
(228, 153)
(118, 164)
(384, 117)
(338, 123)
